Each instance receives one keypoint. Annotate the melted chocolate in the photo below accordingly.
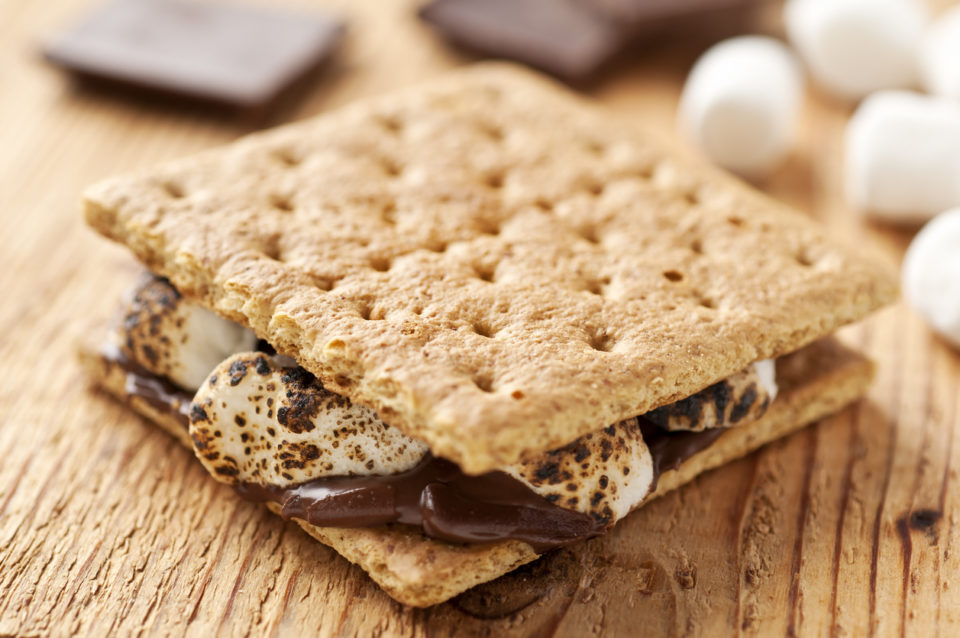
(156, 391)
(454, 507)
(670, 449)
(435, 495)
(438, 497)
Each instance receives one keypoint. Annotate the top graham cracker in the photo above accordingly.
(492, 263)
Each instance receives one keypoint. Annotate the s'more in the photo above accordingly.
(453, 328)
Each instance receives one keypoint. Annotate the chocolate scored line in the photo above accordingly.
(435, 495)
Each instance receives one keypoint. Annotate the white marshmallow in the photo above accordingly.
(740, 103)
(903, 156)
(604, 474)
(766, 370)
(855, 47)
(176, 339)
(931, 274)
(940, 55)
(255, 421)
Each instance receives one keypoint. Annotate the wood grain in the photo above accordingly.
(107, 527)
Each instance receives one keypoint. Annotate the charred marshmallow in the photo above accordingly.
(256, 421)
(176, 339)
(742, 398)
(604, 474)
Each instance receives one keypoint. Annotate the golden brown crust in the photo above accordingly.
(492, 264)
(420, 571)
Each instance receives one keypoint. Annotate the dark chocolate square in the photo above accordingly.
(235, 54)
(640, 13)
(568, 38)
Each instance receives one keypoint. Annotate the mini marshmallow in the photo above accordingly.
(931, 274)
(176, 339)
(740, 103)
(255, 421)
(855, 47)
(940, 56)
(903, 156)
(604, 474)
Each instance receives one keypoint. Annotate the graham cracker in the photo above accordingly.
(494, 265)
(419, 571)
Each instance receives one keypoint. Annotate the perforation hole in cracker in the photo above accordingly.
(380, 264)
(486, 272)
(543, 205)
(734, 220)
(392, 124)
(369, 311)
(287, 157)
(804, 259)
(596, 188)
(595, 147)
(599, 339)
(323, 284)
(691, 196)
(590, 234)
(494, 179)
(597, 286)
(390, 167)
(492, 131)
(388, 213)
(484, 382)
(282, 203)
(173, 189)
(484, 329)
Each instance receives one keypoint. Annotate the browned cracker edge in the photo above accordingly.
(418, 571)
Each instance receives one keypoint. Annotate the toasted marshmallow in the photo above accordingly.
(604, 474)
(742, 398)
(256, 421)
(176, 339)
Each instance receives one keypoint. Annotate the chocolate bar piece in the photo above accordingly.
(571, 39)
(567, 38)
(232, 54)
(650, 13)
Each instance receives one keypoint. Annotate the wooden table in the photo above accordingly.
(107, 526)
